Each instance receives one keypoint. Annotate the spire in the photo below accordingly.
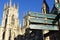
(5, 5)
(44, 1)
(14, 5)
(44, 4)
(10, 2)
(45, 7)
(17, 6)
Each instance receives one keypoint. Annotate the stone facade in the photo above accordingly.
(10, 29)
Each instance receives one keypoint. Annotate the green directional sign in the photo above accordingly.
(43, 27)
(41, 20)
(51, 16)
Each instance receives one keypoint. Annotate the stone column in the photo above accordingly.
(12, 35)
(6, 34)
(1, 33)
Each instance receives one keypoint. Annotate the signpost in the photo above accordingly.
(43, 21)
(37, 21)
(44, 27)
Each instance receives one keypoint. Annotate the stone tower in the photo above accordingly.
(10, 22)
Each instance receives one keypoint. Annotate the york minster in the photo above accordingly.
(36, 26)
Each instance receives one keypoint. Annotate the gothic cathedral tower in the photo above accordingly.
(10, 21)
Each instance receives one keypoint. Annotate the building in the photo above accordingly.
(10, 29)
(35, 26)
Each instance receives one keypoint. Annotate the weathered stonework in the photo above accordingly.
(10, 29)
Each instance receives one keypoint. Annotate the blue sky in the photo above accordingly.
(24, 6)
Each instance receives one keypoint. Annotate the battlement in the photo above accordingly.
(6, 5)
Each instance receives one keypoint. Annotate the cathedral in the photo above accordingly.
(10, 28)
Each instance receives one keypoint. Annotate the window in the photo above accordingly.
(12, 20)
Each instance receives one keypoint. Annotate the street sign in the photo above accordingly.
(43, 27)
(51, 16)
(41, 20)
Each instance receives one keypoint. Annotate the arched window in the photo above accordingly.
(12, 20)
